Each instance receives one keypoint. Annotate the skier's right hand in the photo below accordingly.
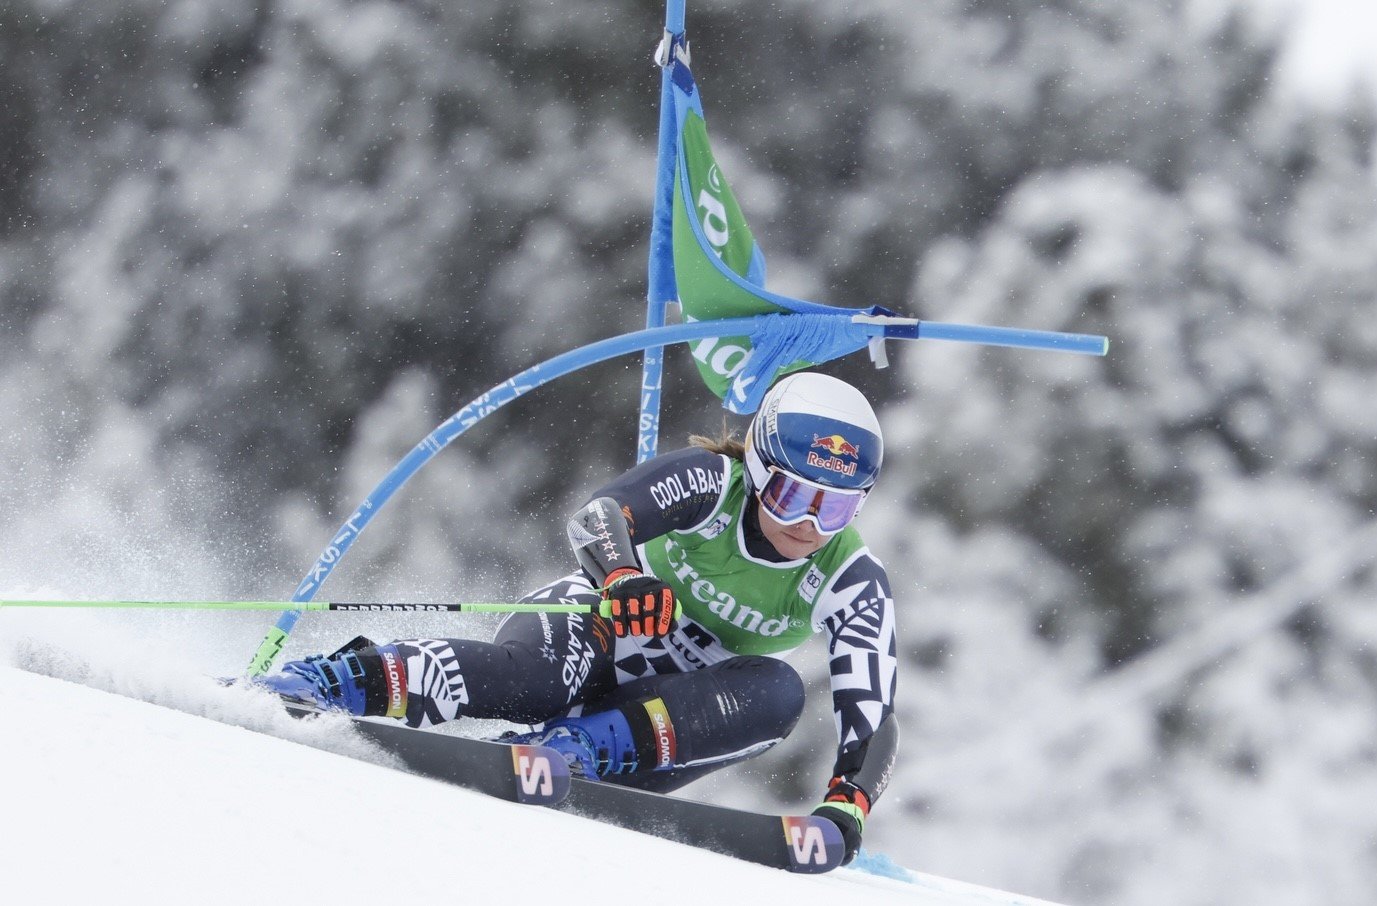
(846, 806)
(637, 604)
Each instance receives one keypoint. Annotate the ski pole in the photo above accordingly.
(467, 607)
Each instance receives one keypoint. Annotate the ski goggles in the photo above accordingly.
(790, 500)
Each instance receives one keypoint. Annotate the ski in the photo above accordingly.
(798, 843)
(537, 775)
(528, 774)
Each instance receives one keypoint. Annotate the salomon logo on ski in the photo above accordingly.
(539, 781)
(814, 844)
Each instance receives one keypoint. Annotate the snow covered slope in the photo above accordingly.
(123, 801)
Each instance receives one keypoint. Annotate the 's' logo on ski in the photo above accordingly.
(534, 773)
(814, 844)
(808, 844)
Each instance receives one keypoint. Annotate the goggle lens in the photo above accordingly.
(790, 500)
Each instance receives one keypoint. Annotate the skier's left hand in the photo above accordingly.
(846, 805)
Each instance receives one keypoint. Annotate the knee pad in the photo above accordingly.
(774, 690)
(739, 701)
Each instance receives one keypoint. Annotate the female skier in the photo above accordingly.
(715, 562)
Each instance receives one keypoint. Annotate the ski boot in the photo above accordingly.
(330, 682)
(594, 745)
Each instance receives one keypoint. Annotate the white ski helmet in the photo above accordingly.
(821, 431)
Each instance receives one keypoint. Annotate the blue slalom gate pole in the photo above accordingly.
(600, 351)
(1011, 337)
(662, 288)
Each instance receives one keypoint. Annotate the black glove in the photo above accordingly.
(637, 604)
(846, 806)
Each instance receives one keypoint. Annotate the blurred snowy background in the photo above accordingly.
(251, 251)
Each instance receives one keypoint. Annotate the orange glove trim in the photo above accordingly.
(848, 793)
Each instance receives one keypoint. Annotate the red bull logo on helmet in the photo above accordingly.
(838, 447)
